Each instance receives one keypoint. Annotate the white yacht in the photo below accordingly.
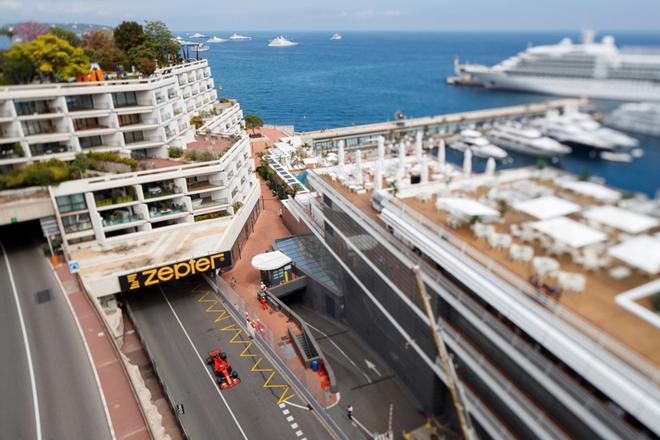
(335, 36)
(478, 144)
(215, 39)
(237, 37)
(197, 35)
(281, 42)
(642, 117)
(591, 69)
(586, 122)
(526, 141)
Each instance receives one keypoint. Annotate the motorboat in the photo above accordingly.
(616, 157)
(198, 35)
(335, 36)
(215, 39)
(478, 144)
(636, 117)
(237, 37)
(199, 47)
(527, 141)
(281, 42)
(580, 131)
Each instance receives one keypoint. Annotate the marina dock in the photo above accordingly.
(361, 136)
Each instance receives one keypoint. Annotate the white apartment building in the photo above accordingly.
(140, 116)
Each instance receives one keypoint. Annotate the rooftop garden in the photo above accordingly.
(41, 53)
(54, 171)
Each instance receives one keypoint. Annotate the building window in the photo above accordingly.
(38, 127)
(85, 123)
(128, 120)
(76, 223)
(82, 102)
(124, 99)
(48, 148)
(132, 137)
(90, 141)
(32, 107)
(328, 229)
(327, 201)
(74, 202)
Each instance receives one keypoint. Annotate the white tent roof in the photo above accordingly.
(569, 231)
(547, 207)
(270, 260)
(465, 206)
(622, 219)
(642, 252)
(591, 189)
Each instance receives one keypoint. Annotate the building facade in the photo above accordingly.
(143, 117)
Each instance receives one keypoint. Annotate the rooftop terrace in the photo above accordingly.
(558, 237)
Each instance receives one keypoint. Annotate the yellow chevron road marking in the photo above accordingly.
(254, 368)
(245, 352)
(222, 315)
(203, 298)
(284, 397)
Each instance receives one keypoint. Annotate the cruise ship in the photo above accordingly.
(587, 69)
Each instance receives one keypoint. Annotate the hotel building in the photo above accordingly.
(142, 117)
(533, 362)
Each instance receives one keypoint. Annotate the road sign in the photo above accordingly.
(49, 226)
(179, 409)
(13, 220)
(74, 266)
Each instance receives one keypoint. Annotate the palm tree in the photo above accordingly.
(253, 122)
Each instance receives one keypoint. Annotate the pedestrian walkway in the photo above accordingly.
(125, 414)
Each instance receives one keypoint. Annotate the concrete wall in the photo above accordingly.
(25, 204)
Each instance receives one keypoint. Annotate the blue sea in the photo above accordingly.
(368, 76)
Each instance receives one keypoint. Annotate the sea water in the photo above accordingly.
(368, 76)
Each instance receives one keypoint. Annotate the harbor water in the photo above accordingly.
(368, 76)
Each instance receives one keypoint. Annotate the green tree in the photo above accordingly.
(100, 47)
(17, 64)
(128, 34)
(70, 37)
(160, 40)
(253, 122)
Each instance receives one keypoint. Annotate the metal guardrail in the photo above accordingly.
(275, 359)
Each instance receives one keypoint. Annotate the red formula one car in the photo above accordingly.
(227, 377)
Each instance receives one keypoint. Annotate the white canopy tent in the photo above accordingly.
(270, 261)
(466, 207)
(570, 232)
(622, 219)
(599, 192)
(642, 252)
(546, 207)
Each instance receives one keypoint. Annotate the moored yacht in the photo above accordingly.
(335, 36)
(237, 37)
(478, 144)
(215, 39)
(526, 141)
(642, 117)
(197, 35)
(281, 42)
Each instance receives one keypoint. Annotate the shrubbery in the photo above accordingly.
(174, 152)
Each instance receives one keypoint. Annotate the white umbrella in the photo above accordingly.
(402, 160)
(340, 157)
(490, 166)
(378, 176)
(441, 153)
(358, 168)
(418, 145)
(467, 162)
(425, 170)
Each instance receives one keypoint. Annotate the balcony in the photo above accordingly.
(207, 202)
(160, 189)
(49, 148)
(11, 151)
(115, 196)
(28, 108)
(120, 218)
(165, 208)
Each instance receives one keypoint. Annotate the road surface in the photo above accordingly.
(59, 398)
(177, 323)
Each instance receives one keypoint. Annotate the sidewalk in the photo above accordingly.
(125, 414)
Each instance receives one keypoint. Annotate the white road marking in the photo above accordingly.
(35, 398)
(240, 428)
(372, 366)
(299, 433)
(294, 426)
(282, 405)
(297, 406)
(341, 351)
(289, 419)
(285, 412)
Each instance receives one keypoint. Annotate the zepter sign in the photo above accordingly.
(174, 271)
